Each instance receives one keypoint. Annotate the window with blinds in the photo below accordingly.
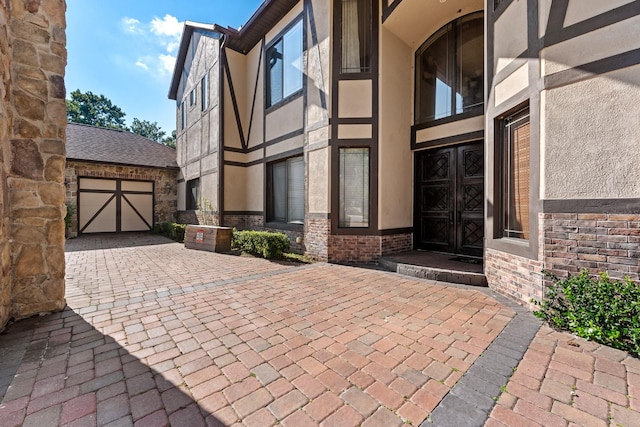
(286, 191)
(354, 187)
(356, 36)
(516, 175)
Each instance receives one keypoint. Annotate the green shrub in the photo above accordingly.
(260, 243)
(171, 230)
(68, 217)
(597, 309)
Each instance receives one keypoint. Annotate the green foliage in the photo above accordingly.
(260, 243)
(597, 309)
(96, 110)
(67, 218)
(171, 230)
(148, 129)
(170, 141)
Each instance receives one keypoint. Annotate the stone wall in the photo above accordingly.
(32, 153)
(165, 202)
(5, 153)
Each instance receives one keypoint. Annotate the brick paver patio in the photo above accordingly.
(155, 334)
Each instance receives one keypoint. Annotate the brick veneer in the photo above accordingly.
(518, 277)
(165, 203)
(597, 242)
(352, 249)
(316, 237)
(198, 217)
(396, 243)
(568, 243)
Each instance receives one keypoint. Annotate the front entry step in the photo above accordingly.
(436, 266)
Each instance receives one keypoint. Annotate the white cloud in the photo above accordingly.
(167, 26)
(142, 65)
(131, 25)
(161, 39)
(168, 62)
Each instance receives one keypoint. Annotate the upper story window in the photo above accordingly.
(192, 98)
(204, 92)
(356, 36)
(450, 70)
(284, 65)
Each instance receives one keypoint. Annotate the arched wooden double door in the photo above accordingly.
(449, 199)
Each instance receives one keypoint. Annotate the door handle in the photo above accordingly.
(459, 210)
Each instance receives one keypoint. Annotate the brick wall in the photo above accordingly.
(517, 277)
(32, 151)
(353, 249)
(166, 203)
(198, 217)
(396, 243)
(316, 238)
(597, 242)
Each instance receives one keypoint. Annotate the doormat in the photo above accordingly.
(468, 260)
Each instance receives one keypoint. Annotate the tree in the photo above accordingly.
(148, 130)
(170, 141)
(96, 110)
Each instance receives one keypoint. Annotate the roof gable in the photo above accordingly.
(264, 18)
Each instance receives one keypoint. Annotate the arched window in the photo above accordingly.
(450, 70)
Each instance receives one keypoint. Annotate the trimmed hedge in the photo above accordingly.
(171, 230)
(597, 309)
(260, 243)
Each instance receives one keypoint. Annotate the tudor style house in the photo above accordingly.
(502, 129)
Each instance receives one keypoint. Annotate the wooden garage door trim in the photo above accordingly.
(118, 194)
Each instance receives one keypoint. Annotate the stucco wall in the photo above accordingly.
(593, 153)
(32, 132)
(395, 165)
(197, 144)
(166, 204)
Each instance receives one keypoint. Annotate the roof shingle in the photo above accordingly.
(96, 144)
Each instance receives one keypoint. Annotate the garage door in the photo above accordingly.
(114, 205)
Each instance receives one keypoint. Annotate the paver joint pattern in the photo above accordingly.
(155, 334)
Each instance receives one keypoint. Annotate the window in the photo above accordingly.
(193, 194)
(183, 116)
(192, 98)
(450, 70)
(354, 187)
(356, 36)
(286, 191)
(516, 174)
(284, 65)
(204, 92)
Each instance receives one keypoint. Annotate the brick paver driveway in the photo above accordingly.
(157, 334)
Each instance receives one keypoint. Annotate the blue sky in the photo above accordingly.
(125, 49)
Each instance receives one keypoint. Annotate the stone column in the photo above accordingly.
(32, 127)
